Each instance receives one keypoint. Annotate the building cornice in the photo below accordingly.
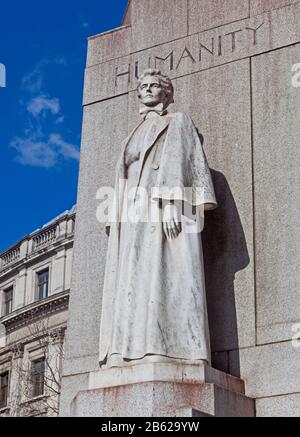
(36, 311)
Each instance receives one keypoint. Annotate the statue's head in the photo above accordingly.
(154, 88)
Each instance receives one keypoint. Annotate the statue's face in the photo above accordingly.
(151, 91)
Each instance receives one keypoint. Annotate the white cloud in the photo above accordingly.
(39, 146)
(41, 105)
(46, 153)
(83, 22)
(34, 153)
(33, 81)
(60, 119)
(67, 150)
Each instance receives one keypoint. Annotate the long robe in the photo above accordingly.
(154, 301)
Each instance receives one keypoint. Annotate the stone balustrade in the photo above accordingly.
(42, 239)
(10, 256)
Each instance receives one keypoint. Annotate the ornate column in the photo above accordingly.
(16, 380)
(53, 369)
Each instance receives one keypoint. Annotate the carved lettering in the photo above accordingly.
(255, 32)
(209, 48)
(211, 51)
(233, 38)
(136, 70)
(126, 73)
(186, 54)
(170, 55)
(220, 46)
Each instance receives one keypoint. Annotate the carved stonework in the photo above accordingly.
(57, 335)
(37, 311)
(18, 351)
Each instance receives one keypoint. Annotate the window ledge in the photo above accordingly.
(34, 400)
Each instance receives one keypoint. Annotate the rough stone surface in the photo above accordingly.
(109, 45)
(261, 6)
(164, 372)
(155, 22)
(228, 250)
(220, 361)
(284, 26)
(276, 105)
(161, 399)
(71, 385)
(270, 370)
(279, 406)
(101, 81)
(205, 14)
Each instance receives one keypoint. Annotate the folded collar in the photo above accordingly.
(158, 109)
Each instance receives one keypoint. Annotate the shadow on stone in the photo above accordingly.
(225, 253)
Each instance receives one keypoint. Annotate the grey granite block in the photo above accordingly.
(206, 14)
(279, 406)
(109, 45)
(261, 6)
(269, 370)
(159, 399)
(155, 22)
(219, 102)
(276, 105)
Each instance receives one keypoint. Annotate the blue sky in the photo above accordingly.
(43, 46)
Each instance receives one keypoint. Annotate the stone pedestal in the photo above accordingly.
(163, 390)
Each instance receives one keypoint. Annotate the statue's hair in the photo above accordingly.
(165, 82)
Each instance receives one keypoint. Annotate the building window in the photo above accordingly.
(42, 285)
(38, 377)
(4, 389)
(8, 301)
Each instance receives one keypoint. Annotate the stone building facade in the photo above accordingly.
(35, 279)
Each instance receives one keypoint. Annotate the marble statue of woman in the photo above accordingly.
(154, 302)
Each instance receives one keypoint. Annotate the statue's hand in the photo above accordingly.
(171, 222)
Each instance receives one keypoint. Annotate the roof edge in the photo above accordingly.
(57, 219)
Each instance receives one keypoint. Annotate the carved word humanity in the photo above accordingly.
(214, 47)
